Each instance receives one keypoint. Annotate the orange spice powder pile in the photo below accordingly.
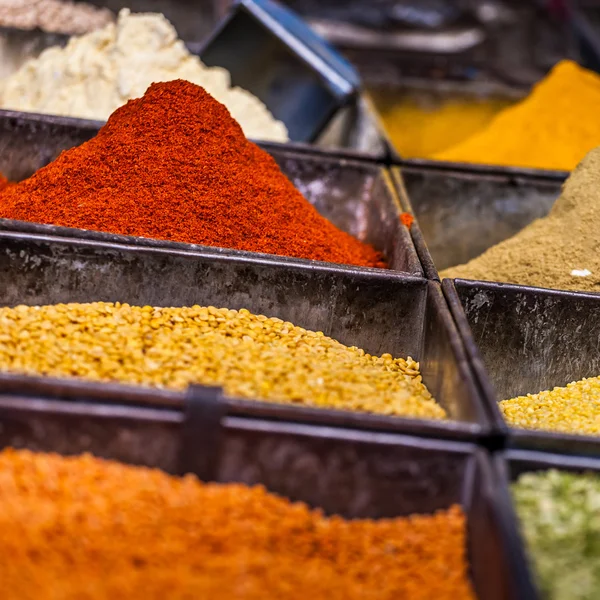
(82, 527)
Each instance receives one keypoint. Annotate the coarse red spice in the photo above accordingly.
(406, 219)
(174, 165)
(82, 527)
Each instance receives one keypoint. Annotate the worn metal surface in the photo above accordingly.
(377, 311)
(524, 340)
(350, 473)
(508, 466)
(462, 212)
(356, 196)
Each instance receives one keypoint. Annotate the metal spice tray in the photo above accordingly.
(508, 466)
(461, 212)
(356, 196)
(377, 311)
(350, 473)
(524, 340)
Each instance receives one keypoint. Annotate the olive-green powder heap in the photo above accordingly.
(571, 409)
(251, 356)
(560, 519)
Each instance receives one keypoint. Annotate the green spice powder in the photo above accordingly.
(559, 515)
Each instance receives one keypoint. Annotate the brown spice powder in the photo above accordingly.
(547, 252)
(83, 527)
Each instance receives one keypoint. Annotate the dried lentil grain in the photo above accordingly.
(559, 518)
(84, 527)
(571, 409)
(250, 355)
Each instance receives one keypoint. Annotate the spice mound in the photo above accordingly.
(174, 165)
(571, 409)
(54, 16)
(552, 128)
(559, 251)
(558, 513)
(86, 527)
(249, 355)
(98, 72)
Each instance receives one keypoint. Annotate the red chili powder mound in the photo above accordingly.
(174, 165)
(82, 527)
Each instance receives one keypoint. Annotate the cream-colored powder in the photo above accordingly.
(56, 16)
(560, 251)
(100, 71)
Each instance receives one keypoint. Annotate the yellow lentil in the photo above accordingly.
(249, 355)
(571, 409)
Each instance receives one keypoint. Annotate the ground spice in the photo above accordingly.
(571, 409)
(405, 218)
(251, 356)
(85, 527)
(174, 165)
(558, 513)
(422, 123)
(553, 128)
(560, 251)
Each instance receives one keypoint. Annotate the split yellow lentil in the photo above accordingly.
(251, 356)
(571, 409)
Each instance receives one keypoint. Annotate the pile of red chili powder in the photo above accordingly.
(174, 165)
(81, 527)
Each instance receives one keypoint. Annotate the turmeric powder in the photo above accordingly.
(82, 527)
(553, 128)
(421, 125)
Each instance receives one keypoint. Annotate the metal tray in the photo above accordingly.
(350, 473)
(523, 340)
(358, 197)
(462, 212)
(377, 311)
(508, 466)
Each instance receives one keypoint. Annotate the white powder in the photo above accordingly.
(580, 273)
(100, 71)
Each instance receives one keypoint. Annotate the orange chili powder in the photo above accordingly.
(406, 219)
(82, 527)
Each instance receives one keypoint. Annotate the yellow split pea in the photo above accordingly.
(251, 356)
(571, 409)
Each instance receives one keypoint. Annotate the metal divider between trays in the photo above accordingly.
(347, 472)
(372, 309)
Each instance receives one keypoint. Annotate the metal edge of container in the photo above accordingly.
(33, 125)
(443, 364)
(515, 438)
(484, 169)
(351, 473)
(429, 268)
(507, 465)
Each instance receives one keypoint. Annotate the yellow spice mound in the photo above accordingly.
(571, 409)
(251, 356)
(553, 128)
